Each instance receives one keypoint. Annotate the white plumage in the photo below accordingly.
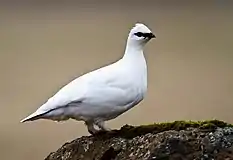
(105, 93)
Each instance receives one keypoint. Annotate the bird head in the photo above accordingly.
(140, 34)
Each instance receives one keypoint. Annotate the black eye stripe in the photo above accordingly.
(146, 35)
(139, 34)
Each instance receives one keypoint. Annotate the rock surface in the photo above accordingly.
(179, 140)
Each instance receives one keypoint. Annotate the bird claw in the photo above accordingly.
(97, 132)
(103, 127)
(92, 132)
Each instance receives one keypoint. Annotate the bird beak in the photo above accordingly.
(151, 35)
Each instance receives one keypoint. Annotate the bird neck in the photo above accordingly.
(135, 63)
(135, 60)
(133, 50)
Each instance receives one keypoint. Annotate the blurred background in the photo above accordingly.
(46, 44)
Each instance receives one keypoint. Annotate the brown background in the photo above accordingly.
(44, 45)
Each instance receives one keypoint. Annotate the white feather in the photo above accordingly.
(105, 93)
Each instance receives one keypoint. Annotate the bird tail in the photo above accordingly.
(34, 116)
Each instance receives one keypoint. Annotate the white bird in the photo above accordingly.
(105, 93)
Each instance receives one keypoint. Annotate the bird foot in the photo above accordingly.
(93, 131)
(103, 127)
(100, 131)
(91, 128)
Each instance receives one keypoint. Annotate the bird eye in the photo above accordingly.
(139, 34)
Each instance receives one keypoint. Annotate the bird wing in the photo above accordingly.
(106, 86)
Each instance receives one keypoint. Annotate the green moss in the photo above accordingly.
(128, 131)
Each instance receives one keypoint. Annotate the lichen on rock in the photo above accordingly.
(179, 140)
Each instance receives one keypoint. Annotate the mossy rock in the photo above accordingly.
(176, 140)
(129, 131)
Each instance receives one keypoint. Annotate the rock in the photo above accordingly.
(179, 140)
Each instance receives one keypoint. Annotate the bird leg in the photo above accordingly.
(91, 128)
(102, 126)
